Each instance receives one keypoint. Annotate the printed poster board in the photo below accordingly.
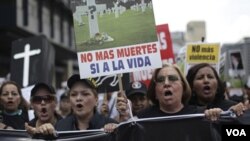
(236, 69)
(166, 50)
(114, 37)
(202, 53)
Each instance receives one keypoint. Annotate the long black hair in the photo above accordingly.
(23, 104)
(192, 72)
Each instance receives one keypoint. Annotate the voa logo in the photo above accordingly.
(236, 132)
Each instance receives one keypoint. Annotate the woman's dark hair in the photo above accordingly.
(151, 89)
(23, 104)
(219, 96)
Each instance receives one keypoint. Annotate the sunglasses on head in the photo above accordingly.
(39, 99)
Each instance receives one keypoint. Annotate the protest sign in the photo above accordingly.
(110, 83)
(109, 44)
(166, 50)
(202, 53)
(33, 60)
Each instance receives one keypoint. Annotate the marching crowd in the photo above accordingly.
(169, 93)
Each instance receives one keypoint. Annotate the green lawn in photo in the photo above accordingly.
(236, 82)
(132, 27)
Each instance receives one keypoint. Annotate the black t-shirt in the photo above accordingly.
(224, 104)
(70, 123)
(97, 122)
(16, 120)
(154, 111)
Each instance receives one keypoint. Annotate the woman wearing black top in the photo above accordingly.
(208, 90)
(169, 92)
(13, 106)
(43, 101)
(83, 99)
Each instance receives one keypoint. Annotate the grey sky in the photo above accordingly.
(227, 21)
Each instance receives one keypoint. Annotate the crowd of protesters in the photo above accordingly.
(80, 108)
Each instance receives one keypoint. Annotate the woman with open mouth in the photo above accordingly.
(83, 99)
(14, 112)
(43, 101)
(169, 93)
(208, 90)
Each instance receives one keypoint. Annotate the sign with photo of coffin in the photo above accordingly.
(32, 61)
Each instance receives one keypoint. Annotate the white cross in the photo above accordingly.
(92, 16)
(26, 55)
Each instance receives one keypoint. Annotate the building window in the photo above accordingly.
(52, 19)
(40, 15)
(61, 26)
(70, 32)
(25, 13)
